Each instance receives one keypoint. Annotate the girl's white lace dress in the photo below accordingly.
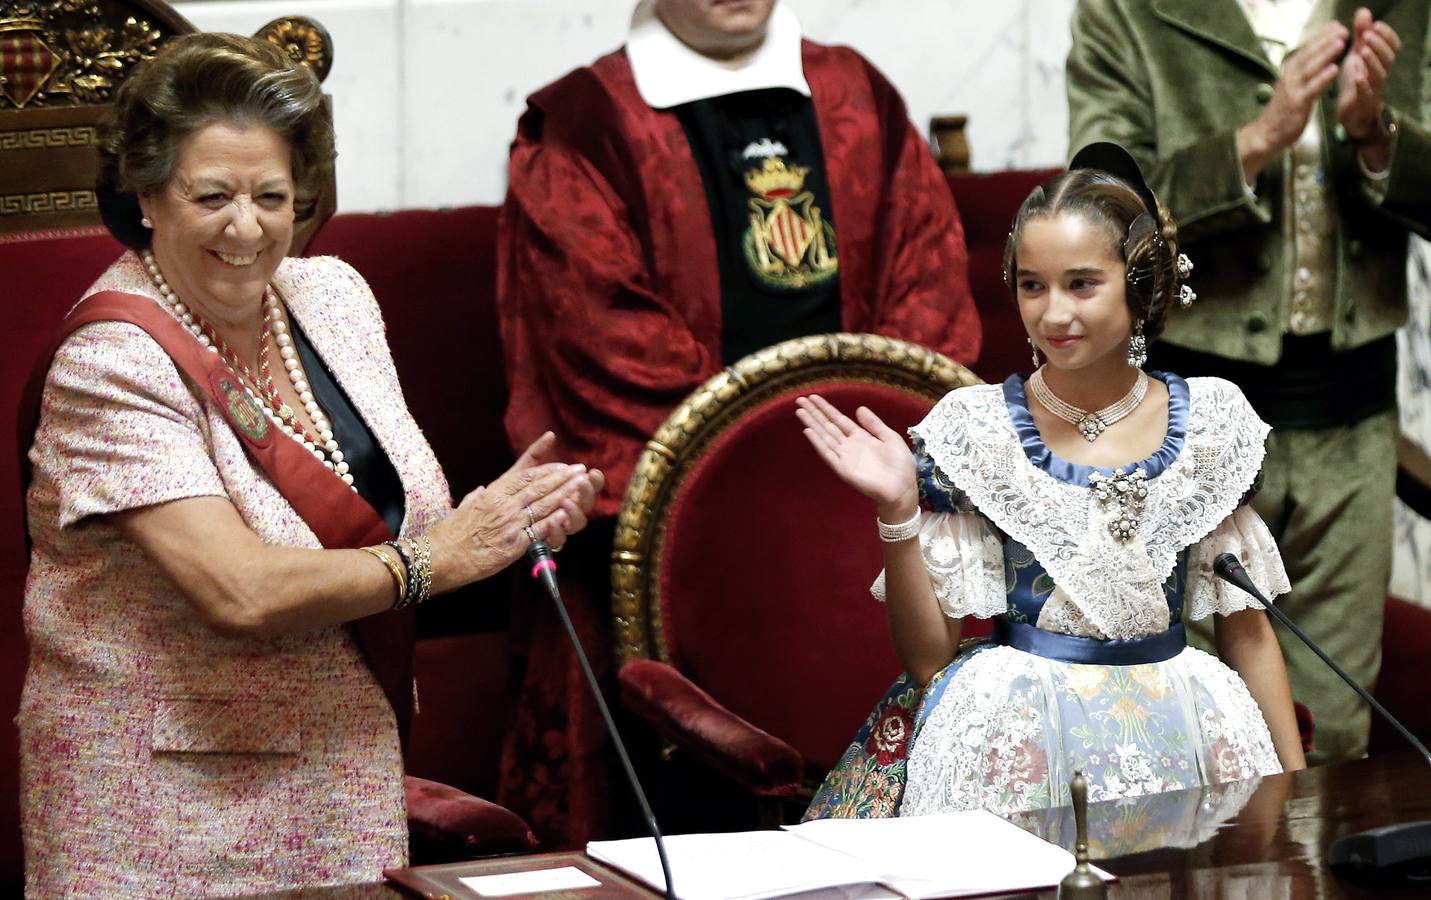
(1090, 574)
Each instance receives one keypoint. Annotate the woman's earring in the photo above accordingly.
(1033, 349)
(146, 223)
(1137, 346)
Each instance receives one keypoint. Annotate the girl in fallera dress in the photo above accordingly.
(1081, 508)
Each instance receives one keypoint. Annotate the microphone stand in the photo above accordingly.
(1403, 849)
(544, 570)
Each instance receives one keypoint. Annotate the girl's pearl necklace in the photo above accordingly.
(1090, 424)
(274, 331)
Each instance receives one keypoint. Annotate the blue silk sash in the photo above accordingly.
(1074, 649)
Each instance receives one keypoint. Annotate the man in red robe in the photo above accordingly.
(715, 186)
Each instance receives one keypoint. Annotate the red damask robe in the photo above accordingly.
(608, 282)
(610, 301)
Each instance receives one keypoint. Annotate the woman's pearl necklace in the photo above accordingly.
(322, 445)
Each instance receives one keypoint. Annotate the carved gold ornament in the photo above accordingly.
(62, 54)
(304, 41)
(47, 202)
(48, 138)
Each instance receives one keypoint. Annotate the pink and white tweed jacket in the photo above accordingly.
(157, 757)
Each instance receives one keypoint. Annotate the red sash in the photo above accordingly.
(338, 516)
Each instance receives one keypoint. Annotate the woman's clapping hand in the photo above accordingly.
(487, 530)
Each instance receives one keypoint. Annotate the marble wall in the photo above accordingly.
(427, 93)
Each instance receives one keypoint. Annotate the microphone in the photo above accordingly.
(544, 566)
(1380, 853)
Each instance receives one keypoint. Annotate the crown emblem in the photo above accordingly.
(774, 179)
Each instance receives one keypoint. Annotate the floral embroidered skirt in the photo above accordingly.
(1004, 730)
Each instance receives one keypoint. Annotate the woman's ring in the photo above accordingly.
(531, 535)
(531, 517)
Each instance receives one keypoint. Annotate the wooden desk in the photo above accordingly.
(1264, 839)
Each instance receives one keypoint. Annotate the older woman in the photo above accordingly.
(225, 475)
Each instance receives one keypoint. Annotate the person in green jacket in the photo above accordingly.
(1290, 139)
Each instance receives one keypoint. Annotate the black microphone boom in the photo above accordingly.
(1380, 853)
(1229, 569)
(544, 570)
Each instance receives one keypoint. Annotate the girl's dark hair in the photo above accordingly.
(1149, 253)
(196, 80)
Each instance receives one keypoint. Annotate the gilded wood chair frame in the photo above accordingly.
(703, 417)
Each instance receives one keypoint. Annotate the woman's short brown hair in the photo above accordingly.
(196, 80)
(1111, 203)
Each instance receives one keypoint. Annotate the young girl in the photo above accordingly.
(1081, 507)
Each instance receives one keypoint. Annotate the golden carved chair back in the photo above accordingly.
(61, 62)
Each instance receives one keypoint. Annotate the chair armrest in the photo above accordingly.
(447, 825)
(694, 721)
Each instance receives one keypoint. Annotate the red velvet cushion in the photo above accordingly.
(448, 825)
(987, 206)
(691, 719)
(765, 579)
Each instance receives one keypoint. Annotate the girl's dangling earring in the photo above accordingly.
(1137, 346)
(1033, 349)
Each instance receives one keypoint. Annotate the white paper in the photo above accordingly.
(745, 865)
(950, 855)
(565, 878)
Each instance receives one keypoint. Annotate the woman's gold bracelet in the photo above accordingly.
(399, 576)
(420, 568)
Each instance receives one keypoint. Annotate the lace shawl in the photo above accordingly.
(1115, 587)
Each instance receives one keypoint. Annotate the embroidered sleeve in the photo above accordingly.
(965, 563)
(1243, 533)
(119, 428)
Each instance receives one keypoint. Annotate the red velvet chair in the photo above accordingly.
(741, 570)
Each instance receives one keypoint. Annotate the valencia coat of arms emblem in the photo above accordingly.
(789, 245)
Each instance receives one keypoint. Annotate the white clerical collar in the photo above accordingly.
(668, 73)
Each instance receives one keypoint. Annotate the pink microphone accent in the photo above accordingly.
(544, 564)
